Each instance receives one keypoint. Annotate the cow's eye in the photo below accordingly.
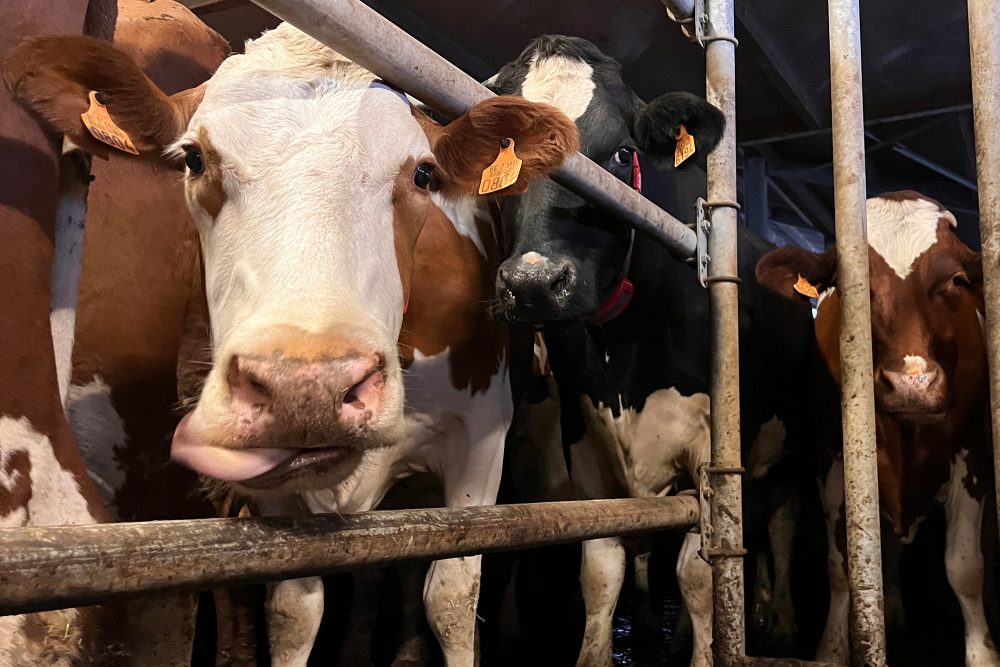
(193, 159)
(960, 279)
(623, 155)
(422, 176)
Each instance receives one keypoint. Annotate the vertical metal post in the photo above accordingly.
(864, 560)
(984, 47)
(728, 633)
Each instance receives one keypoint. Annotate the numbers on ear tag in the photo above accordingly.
(685, 146)
(503, 172)
(104, 129)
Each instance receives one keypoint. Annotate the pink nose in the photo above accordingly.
(303, 402)
(919, 388)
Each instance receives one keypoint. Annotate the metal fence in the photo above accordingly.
(50, 568)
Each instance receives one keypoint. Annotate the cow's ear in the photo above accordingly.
(543, 137)
(782, 269)
(54, 76)
(657, 125)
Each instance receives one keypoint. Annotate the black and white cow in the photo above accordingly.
(628, 332)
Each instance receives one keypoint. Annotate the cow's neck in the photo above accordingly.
(452, 284)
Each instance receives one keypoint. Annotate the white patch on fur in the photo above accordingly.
(566, 83)
(833, 645)
(766, 449)
(55, 494)
(463, 212)
(901, 231)
(963, 561)
(100, 435)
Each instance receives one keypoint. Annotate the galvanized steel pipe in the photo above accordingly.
(363, 35)
(984, 46)
(69, 566)
(864, 561)
(728, 632)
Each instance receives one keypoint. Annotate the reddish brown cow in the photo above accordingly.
(42, 478)
(930, 395)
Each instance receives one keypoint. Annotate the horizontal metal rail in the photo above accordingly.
(69, 566)
(366, 37)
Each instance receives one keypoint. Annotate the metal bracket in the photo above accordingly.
(702, 33)
(702, 228)
(709, 550)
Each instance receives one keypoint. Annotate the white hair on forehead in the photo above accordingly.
(565, 83)
(900, 230)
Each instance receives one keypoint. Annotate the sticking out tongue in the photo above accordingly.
(229, 465)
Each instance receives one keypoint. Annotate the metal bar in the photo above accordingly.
(984, 47)
(875, 122)
(363, 35)
(936, 167)
(864, 560)
(679, 11)
(69, 566)
(728, 626)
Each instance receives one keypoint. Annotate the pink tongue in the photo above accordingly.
(229, 465)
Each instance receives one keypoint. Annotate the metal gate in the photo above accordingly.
(51, 568)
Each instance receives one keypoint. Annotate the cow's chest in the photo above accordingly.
(652, 447)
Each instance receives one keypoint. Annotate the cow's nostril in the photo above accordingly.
(561, 282)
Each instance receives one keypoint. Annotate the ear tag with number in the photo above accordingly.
(685, 146)
(103, 128)
(503, 172)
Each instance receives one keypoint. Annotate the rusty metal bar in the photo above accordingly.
(69, 566)
(984, 47)
(864, 561)
(728, 624)
(363, 35)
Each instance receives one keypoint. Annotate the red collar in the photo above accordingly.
(621, 296)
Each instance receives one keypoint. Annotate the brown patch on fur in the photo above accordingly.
(543, 138)
(17, 468)
(206, 187)
(410, 206)
(54, 75)
(451, 286)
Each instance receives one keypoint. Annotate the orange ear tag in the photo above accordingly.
(502, 173)
(685, 146)
(805, 288)
(98, 121)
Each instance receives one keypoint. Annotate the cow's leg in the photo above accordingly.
(833, 646)
(646, 619)
(470, 470)
(695, 578)
(602, 569)
(763, 589)
(294, 607)
(781, 530)
(963, 560)
(412, 651)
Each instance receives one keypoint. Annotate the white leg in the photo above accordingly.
(695, 578)
(294, 607)
(602, 572)
(963, 559)
(471, 468)
(833, 646)
(602, 569)
(781, 530)
(412, 651)
(294, 612)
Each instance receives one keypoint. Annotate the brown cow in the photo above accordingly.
(930, 396)
(42, 477)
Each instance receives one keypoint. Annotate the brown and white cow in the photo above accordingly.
(338, 225)
(42, 477)
(930, 396)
